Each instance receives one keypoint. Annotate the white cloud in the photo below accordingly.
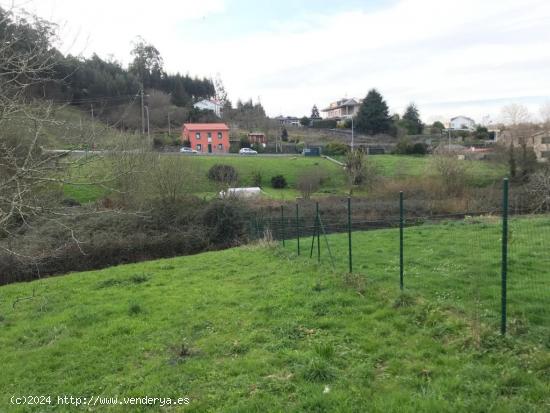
(469, 56)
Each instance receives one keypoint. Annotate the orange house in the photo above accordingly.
(206, 137)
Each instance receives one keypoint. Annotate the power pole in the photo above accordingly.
(352, 133)
(142, 114)
(93, 128)
(148, 134)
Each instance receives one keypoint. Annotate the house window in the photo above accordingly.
(220, 147)
(219, 135)
(197, 135)
(199, 147)
(545, 154)
(545, 140)
(209, 135)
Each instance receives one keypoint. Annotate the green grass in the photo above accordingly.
(84, 193)
(268, 166)
(480, 173)
(257, 329)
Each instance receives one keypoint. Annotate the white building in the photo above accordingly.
(342, 109)
(207, 104)
(462, 123)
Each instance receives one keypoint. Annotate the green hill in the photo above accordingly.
(257, 329)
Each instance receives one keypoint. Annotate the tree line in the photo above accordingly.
(79, 81)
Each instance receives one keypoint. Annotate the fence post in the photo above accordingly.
(283, 224)
(504, 267)
(349, 235)
(401, 240)
(318, 232)
(298, 227)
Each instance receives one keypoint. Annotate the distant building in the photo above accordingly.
(208, 104)
(257, 138)
(540, 142)
(342, 109)
(288, 120)
(206, 137)
(462, 123)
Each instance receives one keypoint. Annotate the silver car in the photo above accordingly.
(248, 151)
(186, 149)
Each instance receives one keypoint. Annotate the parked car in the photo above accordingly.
(186, 149)
(248, 151)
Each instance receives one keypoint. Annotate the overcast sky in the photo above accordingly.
(450, 57)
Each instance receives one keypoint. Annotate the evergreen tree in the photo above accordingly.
(315, 112)
(411, 120)
(373, 117)
(284, 135)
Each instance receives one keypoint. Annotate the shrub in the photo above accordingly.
(335, 148)
(406, 147)
(257, 178)
(226, 222)
(419, 149)
(224, 174)
(324, 124)
(278, 182)
(309, 182)
(452, 173)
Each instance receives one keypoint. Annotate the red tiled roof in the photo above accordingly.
(205, 126)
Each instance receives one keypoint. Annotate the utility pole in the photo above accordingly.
(93, 127)
(148, 134)
(352, 133)
(142, 114)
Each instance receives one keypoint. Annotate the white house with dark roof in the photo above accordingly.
(342, 109)
(462, 123)
(208, 104)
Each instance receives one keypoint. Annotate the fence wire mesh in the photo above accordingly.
(454, 260)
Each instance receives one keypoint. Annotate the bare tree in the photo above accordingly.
(515, 114)
(545, 114)
(360, 171)
(309, 181)
(539, 189)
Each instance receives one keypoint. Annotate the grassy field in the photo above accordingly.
(257, 329)
(389, 166)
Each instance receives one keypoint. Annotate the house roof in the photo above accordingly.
(341, 104)
(212, 101)
(463, 117)
(205, 126)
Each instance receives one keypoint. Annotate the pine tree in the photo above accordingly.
(411, 120)
(315, 112)
(284, 135)
(373, 116)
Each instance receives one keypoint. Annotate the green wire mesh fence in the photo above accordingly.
(492, 265)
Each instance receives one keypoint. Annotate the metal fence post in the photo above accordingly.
(349, 235)
(283, 224)
(504, 267)
(318, 233)
(298, 227)
(401, 222)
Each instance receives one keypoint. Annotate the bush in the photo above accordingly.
(224, 174)
(452, 173)
(278, 182)
(310, 181)
(406, 147)
(335, 148)
(226, 222)
(324, 124)
(257, 178)
(419, 149)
